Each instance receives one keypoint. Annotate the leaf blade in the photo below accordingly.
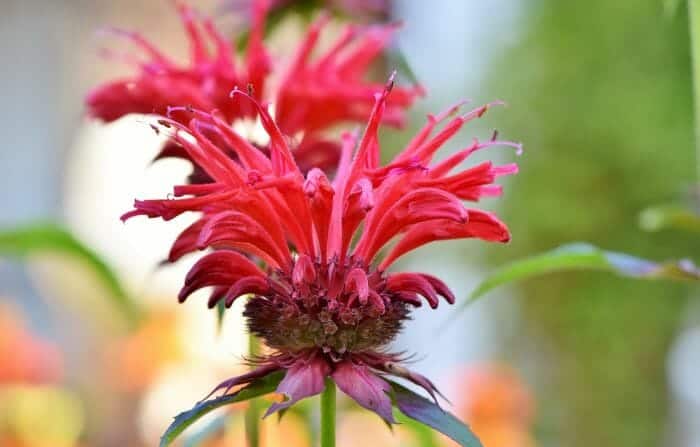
(182, 421)
(584, 256)
(428, 413)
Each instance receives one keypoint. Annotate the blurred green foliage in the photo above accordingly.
(40, 238)
(600, 93)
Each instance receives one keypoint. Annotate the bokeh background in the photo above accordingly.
(598, 91)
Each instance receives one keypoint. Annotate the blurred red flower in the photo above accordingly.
(313, 94)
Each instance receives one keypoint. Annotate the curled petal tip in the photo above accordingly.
(234, 92)
(390, 82)
(170, 110)
(133, 213)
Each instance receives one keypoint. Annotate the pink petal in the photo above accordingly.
(306, 378)
(364, 387)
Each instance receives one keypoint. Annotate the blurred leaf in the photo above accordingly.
(669, 217)
(259, 387)
(303, 8)
(424, 435)
(397, 59)
(427, 412)
(671, 7)
(47, 237)
(583, 256)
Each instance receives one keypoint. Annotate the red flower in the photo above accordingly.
(323, 302)
(314, 94)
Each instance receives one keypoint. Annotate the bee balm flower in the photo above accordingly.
(323, 301)
(313, 95)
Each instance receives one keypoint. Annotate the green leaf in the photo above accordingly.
(427, 412)
(424, 435)
(47, 237)
(259, 387)
(669, 217)
(583, 256)
(671, 7)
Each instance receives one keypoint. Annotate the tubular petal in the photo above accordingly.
(220, 268)
(420, 205)
(250, 284)
(481, 225)
(413, 283)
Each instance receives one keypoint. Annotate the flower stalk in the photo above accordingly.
(254, 411)
(328, 414)
(694, 24)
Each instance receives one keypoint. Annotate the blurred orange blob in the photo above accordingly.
(360, 428)
(136, 360)
(498, 406)
(26, 359)
(496, 393)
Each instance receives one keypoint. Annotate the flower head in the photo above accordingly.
(314, 94)
(323, 302)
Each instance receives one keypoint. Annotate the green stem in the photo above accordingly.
(694, 23)
(328, 415)
(254, 411)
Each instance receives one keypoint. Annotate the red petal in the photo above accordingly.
(221, 268)
(244, 286)
(419, 205)
(239, 230)
(413, 283)
(186, 241)
(481, 225)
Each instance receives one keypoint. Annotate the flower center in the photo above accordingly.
(336, 308)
